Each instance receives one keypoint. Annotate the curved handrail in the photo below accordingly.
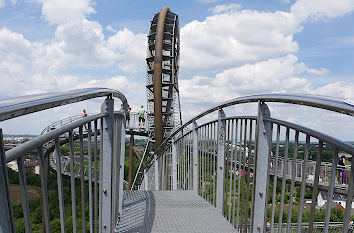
(26, 147)
(19, 106)
(317, 101)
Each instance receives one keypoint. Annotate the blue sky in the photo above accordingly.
(228, 49)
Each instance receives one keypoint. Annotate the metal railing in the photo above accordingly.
(241, 165)
(105, 196)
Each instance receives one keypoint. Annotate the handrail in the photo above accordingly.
(28, 146)
(19, 106)
(317, 101)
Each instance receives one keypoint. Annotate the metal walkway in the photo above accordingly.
(170, 211)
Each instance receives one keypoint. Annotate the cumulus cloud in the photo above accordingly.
(207, 1)
(274, 75)
(321, 9)
(131, 49)
(225, 8)
(343, 89)
(64, 11)
(235, 38)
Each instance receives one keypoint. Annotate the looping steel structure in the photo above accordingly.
(162, 76)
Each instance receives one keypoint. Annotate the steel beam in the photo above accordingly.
(262, 158)
(106, 167)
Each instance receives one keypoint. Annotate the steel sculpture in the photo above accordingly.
(162, 76)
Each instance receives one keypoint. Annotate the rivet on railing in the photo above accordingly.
(261, 194)
(105, 191)
(104, 226)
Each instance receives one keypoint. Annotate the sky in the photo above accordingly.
(228, 49)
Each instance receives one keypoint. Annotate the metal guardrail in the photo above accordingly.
(105, 200)
(189, 163)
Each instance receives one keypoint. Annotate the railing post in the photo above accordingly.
(262, 158)
(174, 165)
(106, 166)
(220, 185)
(195, 157)
(156, 172)
(119, 155)
(6, 219)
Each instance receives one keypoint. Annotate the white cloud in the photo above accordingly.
(321, 9)
(272, 76)
(131, 49)
(232, 39)
(64, 11)
(208, 1)
(2, 3)
(110, 29)
(225, 8)
(83, 44)
(343, 89)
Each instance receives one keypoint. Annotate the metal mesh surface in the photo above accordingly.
(170, 211)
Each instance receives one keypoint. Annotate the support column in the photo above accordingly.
(174, 165)
(130, 174)
(220, 184)
(6, 219)
(262, 162)
(106, 166)
(195, 157)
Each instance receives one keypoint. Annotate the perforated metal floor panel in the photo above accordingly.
(170, 211)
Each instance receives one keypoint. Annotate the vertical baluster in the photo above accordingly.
(243, 220)
(72, 181)
(303, 183)
(292, 186)
(190, 162)
(195, 157)
(82, 179)
(331, 190)
(44, 189)
(6, 212)
(315, 186)
(227, 137)
(215, 163)
(60, 185)
(24, 194)
(174, 165)
(95, 178)
(275, 178)
(350, 193)
(249, 171)
(235, 177)
(231, 146)
(238, 151)
(285, 167)
(240, 187)
(205, 163)
(90, 175)
(209, 163)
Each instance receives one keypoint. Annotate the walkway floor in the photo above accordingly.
(170, 211)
